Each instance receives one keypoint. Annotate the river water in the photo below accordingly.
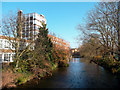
(79, 74)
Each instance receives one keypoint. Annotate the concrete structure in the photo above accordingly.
(31, 24)
(59, 43)
(75, 52)
(6, 50)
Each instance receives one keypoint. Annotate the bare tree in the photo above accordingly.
(103, 20)
(118, 29)
(91, 47)
(11, 28)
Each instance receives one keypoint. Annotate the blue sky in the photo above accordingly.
(62, 17)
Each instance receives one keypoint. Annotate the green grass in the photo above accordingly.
(24, 78)
(54, 66)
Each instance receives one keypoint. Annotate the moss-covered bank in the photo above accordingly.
(11, 79)
(108, 63)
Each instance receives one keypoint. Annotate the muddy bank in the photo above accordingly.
(11, 79)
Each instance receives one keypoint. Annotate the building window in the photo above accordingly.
(35, 19)
(0, 43)
(0, 58)
(31, 18)
(31, 23)
(35, 27)
(6, 57)
(6, 44)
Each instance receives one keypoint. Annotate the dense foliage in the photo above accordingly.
(101, 41)
(44, 57)
(36, 57)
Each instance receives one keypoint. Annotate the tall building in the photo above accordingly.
(28, 25)
(31, 24)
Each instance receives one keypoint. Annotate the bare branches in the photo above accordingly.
(11, 30)
(102, 20)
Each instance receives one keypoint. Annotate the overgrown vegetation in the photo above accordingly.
(24, 78)
(40, 60)
(101, 40)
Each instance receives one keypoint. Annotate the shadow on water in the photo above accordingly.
(79, 74)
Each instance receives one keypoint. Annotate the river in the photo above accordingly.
(79, 74)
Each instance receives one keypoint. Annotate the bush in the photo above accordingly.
(54, 66)
(24, 78)
(21, 80)
(109, 63)
(63, 63)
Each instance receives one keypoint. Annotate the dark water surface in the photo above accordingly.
(80, 74)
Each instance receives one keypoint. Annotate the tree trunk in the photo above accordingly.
(118, 30)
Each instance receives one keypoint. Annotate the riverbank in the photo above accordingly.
(111, 65)
(11, 79)
(79, 74)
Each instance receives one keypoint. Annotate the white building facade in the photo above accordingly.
(30, 28)
(32, 23)
(6, 50)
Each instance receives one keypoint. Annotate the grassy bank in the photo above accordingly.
(108, 63)
(12, 79)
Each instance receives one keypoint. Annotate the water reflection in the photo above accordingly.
(75, 60)
(79, 74)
